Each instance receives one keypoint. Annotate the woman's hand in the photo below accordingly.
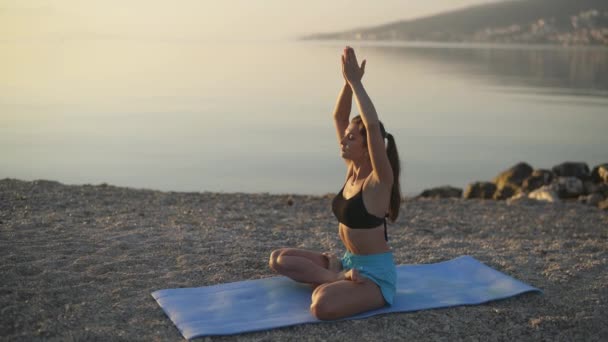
(354, 276)
(351, 70)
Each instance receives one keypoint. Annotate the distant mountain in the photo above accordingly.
(568, 22)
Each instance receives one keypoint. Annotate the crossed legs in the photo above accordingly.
(303, 266)
(336, 294)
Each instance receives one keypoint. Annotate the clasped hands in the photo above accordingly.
(334, 264)
(352, 72)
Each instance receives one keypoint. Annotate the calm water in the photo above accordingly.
(190, 116)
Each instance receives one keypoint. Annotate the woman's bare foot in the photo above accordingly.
(333, 262)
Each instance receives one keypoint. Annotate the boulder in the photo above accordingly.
(515, 175)
(442, 192)
(572, 169)
(505, 192)
(484, 190)
(569, 187)
(537, 179)
(545, 193)
(599, 174)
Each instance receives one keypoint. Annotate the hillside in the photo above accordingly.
(516, 21)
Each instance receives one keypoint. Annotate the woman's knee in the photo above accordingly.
(322, 306)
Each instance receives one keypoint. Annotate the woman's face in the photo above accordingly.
(352, 144)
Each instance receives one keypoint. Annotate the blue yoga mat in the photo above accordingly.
(261, 304)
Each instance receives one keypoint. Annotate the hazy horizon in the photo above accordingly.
(46, 20)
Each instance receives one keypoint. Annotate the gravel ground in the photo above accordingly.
(79, 262)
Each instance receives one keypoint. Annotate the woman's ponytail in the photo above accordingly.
(393, 157)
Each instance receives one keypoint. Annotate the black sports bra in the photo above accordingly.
(353, 214)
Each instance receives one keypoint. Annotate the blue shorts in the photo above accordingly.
(379, 268)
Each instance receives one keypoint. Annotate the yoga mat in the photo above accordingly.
(261, 304)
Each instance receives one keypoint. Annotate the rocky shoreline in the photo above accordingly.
(521, 182)
(79, 262)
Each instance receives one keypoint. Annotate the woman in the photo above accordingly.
(364, 279)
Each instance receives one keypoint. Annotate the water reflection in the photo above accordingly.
(566, 71)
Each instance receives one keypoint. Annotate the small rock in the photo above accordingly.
(545, 193)
(46, 183)
(290, 201)
(520, 198)
(569, 187)
(590, 188)
(483, 190)
(515, 175)
(603, 204)
(595, 199)
(506, 191)
(600, 173)
(573, 169)
(538, 178)
(603, 190)
(442, 192)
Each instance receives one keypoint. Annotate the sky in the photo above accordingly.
(52, 20)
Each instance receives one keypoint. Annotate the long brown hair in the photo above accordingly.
(393, 158)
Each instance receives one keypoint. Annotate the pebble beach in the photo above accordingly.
(79, 262)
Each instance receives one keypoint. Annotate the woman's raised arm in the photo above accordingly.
(342, 110)
(375, 141)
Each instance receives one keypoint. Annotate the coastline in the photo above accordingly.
(80, 261)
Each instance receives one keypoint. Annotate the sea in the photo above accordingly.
(256, 117)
